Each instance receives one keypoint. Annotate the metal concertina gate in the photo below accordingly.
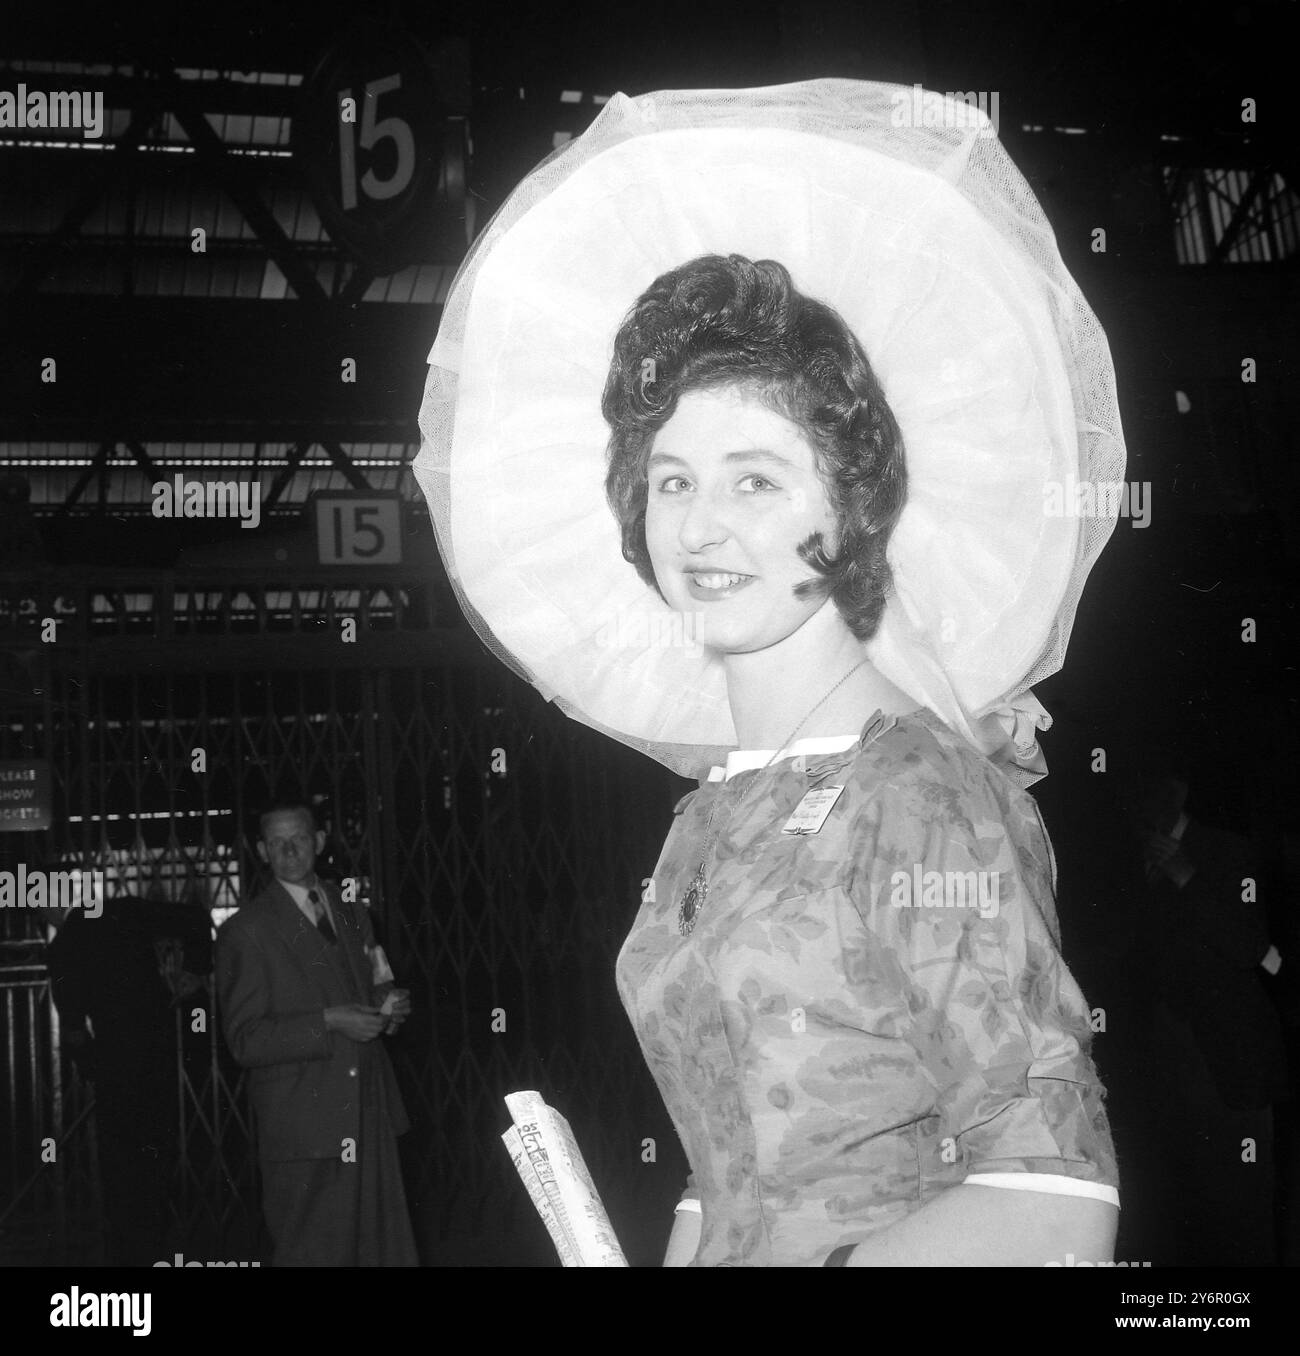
(500, 847)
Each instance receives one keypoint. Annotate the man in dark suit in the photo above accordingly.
(305, 994)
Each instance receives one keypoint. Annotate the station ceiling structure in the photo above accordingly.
(183, 269)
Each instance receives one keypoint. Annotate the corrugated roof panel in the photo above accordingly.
(128, 484)
(175, 211)
(100, 219)
(238, 130)
(171, 276)
(234, 225)
(170, 130)
(145, 275)
(275, 287)
(269, 131)
(53, 468)
(426, 283)
(294, 208)
(249, 283)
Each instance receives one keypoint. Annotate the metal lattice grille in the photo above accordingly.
(1232, 216)
(511, 893)
(500, 847)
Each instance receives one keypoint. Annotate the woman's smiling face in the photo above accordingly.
(733, 492)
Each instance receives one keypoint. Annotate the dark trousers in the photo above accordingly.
(135, 1129)
(328, 1212)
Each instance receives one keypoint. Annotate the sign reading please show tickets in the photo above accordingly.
(26, 794)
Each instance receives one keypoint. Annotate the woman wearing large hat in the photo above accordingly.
(742, 432)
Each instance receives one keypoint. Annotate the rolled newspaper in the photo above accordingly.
(548, 1161)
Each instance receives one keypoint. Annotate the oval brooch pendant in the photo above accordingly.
(692, 901)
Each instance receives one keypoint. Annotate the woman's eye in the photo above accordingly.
(756, 484)
(673, 484)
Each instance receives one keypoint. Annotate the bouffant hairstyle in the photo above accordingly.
(726, 321)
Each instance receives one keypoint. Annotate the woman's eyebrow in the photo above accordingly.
(663, 459)
(749, 454)
(759, 454)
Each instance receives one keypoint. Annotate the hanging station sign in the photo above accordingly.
(368, 135)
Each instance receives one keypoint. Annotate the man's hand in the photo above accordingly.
(187, 984)
(355, 1021)
(397, 1006)
(1179, 868)
(1158, 847)
(1164, 856)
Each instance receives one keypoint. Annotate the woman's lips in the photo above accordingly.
(711, 586)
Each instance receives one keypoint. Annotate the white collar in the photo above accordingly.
(299, 893)
(743, 760)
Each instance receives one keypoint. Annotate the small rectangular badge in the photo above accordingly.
(811, 812)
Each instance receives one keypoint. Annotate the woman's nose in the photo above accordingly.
(704, 523)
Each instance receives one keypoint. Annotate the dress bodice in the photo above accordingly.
(866, 1014)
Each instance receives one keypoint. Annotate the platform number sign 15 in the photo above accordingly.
(368, 136)
(358, 530)
(374, 129)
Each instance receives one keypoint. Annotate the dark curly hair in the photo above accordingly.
(728, 321)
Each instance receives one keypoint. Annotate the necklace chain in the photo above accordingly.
(789, 739)
(697, 891)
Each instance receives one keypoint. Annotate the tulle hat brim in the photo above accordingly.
(977, 333)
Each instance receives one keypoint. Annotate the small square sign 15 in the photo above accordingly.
(358, 529)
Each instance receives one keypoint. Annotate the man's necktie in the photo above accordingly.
(323, 925)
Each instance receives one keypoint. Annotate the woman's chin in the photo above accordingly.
(718, 635)
(724, 640)
(725, 628)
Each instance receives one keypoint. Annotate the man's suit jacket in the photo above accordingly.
(276, 975)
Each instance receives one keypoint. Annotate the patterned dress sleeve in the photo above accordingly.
(953, 878)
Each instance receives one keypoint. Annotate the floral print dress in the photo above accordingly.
(866, 1014)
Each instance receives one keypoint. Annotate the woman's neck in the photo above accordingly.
(772, 691)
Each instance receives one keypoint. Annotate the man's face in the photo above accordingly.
(290, 844)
